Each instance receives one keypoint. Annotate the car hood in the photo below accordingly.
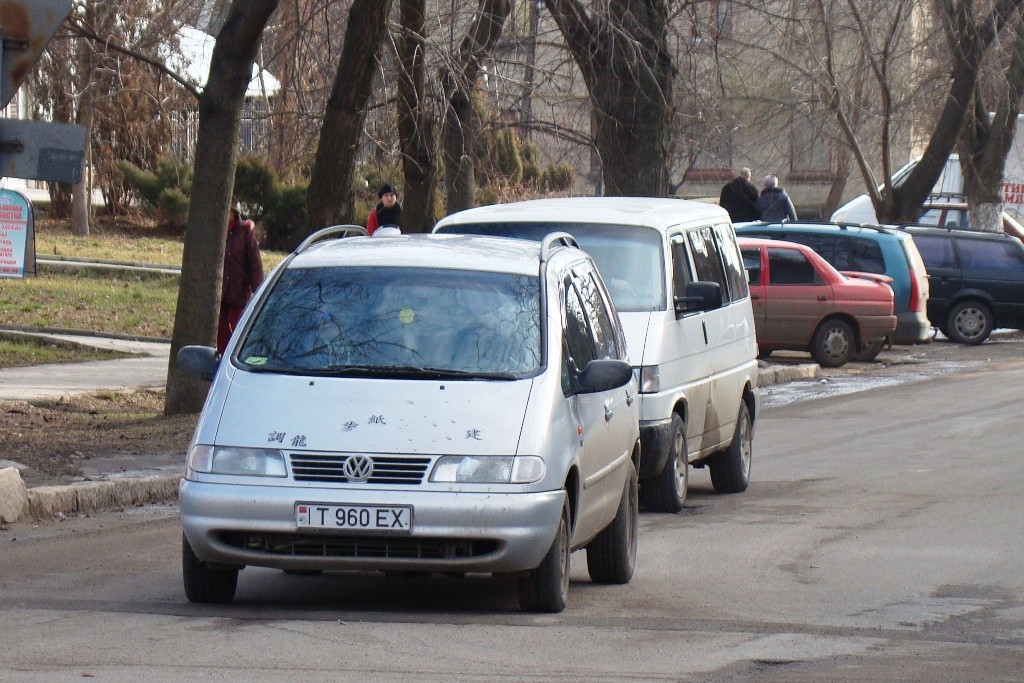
(373, 415)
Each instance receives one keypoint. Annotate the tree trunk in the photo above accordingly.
(623, 55)
(460, 125)
(81, 193)
(415, 125)
(329, 196)
(985, 142)
(220, 113)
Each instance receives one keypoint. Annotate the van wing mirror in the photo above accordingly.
(700, 296)
(604, 375)
(198, 362)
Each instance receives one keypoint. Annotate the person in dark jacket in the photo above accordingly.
(774, 203)
(387, 212)
(243, 273)
(739, 198)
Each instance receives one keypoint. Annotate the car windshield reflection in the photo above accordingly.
(411, 323)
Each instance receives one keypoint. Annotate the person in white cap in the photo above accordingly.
(774, 203)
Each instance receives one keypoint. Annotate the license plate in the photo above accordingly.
(389, 518)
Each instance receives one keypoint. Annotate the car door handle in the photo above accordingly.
(629, 399)
(608, 412)
(822, 297)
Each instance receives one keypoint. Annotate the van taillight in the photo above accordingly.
(916, 302)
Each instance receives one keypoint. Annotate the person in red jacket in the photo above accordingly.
(243, 273)
(387, 212)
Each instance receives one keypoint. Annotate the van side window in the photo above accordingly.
(597, 312)
(987, 255)
(706, 259)
(681, 273)
(866, 256)
(936, 252)
(733, 263)
(790, 267)
(578, 340)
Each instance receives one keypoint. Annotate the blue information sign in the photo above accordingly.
(17, 240)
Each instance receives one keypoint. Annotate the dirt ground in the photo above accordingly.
(57, 440)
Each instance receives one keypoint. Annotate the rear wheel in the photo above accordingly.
(546, 588)
(969, 322)
(870, 352)
(611, 556)
(203, 583)
(833, 343)
(666, 491)
(730, 469)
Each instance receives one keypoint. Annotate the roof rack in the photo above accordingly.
(324, 233)
(843, 225)
(556, 239)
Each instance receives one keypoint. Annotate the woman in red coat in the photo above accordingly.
(243, 273)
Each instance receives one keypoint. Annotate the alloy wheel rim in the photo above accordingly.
(680, 464)
(836, 343)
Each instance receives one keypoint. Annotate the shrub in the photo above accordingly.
(506, 157)
(286, 214)
(256, 185)
(173, 206)
(558, 177)
(531, 163)
(143, 182)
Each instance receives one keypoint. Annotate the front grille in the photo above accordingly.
(390, 547)
(329, 468)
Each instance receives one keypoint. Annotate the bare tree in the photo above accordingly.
(415, 123)
(987, 136)
(330, 196)
(458, 81)
(621, 49)
(220, 113)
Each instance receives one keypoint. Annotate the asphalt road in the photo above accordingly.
(879, 541)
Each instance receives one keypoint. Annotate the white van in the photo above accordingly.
(676, 276)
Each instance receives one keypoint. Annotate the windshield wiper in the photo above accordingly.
(401, 371)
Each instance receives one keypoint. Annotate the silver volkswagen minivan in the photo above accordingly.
(419, 403)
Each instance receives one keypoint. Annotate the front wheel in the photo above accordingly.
(611, 556)
(730, 469)
(969, 322)
(666, 491)
(546, 588)
(833, 343)
(203, 583)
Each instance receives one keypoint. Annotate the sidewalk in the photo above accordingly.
(120, 481)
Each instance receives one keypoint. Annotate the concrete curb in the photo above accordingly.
(18, 503)
(778, 374)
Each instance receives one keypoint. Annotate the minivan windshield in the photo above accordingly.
(397, 322)
(629, 257)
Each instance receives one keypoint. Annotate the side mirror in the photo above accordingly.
(700, 296)
(604, 375)
(198, 362)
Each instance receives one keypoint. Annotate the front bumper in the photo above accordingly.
(462, 532)
(655, 440)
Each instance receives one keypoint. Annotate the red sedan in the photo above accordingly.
(802, 303)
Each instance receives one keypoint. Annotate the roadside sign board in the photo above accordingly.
(39, 150)
(26, 26)
(17, 234)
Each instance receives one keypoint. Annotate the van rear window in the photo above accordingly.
(629, 257)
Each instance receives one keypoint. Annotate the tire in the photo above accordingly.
(969, 322)
(666, 491)
(546, 588)
(611, 556)
(833, 343)
(203, 583)
(730, 469)
(870, 352)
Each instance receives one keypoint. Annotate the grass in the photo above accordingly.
(117, 242)
(18, 353)
(123, 304)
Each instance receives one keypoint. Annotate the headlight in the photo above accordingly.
(252, 462)
(649, 379)
(483, 469)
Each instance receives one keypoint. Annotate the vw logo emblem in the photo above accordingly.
(358, 468)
